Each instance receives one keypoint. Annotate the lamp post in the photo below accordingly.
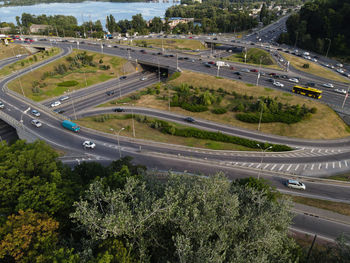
(262, 157)
(257, 80)
(120, 152)
(329, 45)
(261, 112)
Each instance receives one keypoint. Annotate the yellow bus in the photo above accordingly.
(307, 91)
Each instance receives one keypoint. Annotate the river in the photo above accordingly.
(87, 11)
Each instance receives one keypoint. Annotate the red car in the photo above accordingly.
(232, 68)
(253, 70)
(211, 62)
(272, 74)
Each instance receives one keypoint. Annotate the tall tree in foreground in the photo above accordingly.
(189, 219)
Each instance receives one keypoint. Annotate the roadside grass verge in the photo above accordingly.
(337, 207)
(309, 128)
(314, 68)
(253, 58)
(45, 82)
(341, 177)
(11, 50)
(29, 61)
(143, 131)
(171, 43)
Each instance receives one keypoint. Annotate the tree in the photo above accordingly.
(189, 219)
(139, 24)
(28, 237)
(156, 25)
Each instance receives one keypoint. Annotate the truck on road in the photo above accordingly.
(222, 64)
(70, 126)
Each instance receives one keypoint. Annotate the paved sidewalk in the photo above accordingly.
(321, 213)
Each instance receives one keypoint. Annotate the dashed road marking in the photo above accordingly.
(273, 167)
(339, 164)
(281, 167)
(333, 165)
(312, 150)
(243, 164)
(305, 166)
(289, 167)
(258, 165)
(296, 168)
(346, 163)
(326, 165)
(319, 166)
(250, 165)
(312, 166)
(319, 151)
(267, 165)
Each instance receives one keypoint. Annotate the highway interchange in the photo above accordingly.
(310, 158)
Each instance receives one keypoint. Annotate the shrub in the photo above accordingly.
(219, 111)
(175, 75)
(307, 65)
(68, 83)
(194, 108)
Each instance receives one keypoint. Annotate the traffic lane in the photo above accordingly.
(101, 87)
(234, 131)
(320, 226)
(11, 60)
(103, 97)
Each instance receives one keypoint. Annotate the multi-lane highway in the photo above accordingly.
(316, 157)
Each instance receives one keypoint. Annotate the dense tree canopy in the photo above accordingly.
(321, 25)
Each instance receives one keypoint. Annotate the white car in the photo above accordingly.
(328, 85)
(342, 91)
(55, 104)
(19, 55)
(144, 78)
(63, 98)
(339, 70)
(35, 113)
(295, 184)
(2, 105)
(89, 144)
(36, 123)
(339, 65)
(294, 80)
(314, 60)
(278, 84)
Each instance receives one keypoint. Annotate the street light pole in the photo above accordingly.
(261, 112)
(158, 71)
(262, 157)
(120, 152)
(257, 80)
(329, 45)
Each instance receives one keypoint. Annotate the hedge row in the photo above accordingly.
(68, 83)
(165, 127)
(269, 117)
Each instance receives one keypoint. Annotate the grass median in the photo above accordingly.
(332, 125)
(314, 68)
(78, 70)
(337, 207)
(169, 43)
(11, 50)
(29, 61)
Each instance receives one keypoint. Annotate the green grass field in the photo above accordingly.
(182, 44)
(143, 131)
(41, 84)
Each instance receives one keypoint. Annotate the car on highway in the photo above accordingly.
(311, 84)
(63, 98)
(2, 105)
(189, 119)
(118, 110)
(89, 144)
(237, 73)
(36, 123)
(328, 85)
(144, 78)
(35, 113)
(122, 77)
(55, 104)
(253, 70)
(278, 84)
(295, 184)
(295, 80)
(245, 70)
(208, 65)
(59, 111)
(110, 92)
(341, 91)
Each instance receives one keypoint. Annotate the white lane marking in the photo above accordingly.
(346, 163)
(319, 151)
(339, 164)
(319, 166)
(250, 165)
(266, 166)
(289, 167)
(258, 165)
(333, 165)
(305, 166)
(312, 150)
(296, 168)
(326, 165)
(273, 167)
(243, 164)
(312, 166)
(281, 167)
(326, 151)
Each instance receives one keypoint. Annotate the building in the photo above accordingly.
(174, 21)
(38, 28)
(4, 30)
